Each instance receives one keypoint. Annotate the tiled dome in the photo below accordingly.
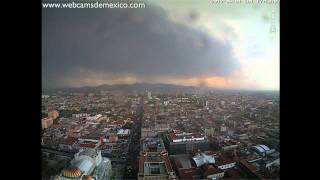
(71, 172)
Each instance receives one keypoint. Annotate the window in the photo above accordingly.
(154, 170)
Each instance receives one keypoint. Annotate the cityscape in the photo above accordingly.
(160, 90)
(152, 135)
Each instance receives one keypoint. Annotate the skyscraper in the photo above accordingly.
(149, 95)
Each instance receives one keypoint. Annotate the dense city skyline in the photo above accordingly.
(152, 135)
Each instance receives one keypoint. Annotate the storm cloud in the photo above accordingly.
(131, 42)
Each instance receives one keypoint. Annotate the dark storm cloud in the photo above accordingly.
(193, 16)
(141, 42)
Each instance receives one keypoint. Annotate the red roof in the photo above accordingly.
(89, 145)
(68, 141)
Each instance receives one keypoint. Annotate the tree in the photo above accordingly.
(55, 121)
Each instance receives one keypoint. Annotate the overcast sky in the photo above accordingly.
(184, 42)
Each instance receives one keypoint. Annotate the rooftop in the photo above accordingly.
(201, 159)
(88, 152)
(182, 160)
(153, 145)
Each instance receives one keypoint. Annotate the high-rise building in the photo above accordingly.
(53, 114)
(149, 95)
(46, 122)
(87, 164)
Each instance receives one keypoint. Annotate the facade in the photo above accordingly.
(225, 160)
(185, 144)
(209, 132)
(123, 133)
(46, 122)
(147, 132)
(224, 166)
(229, 145)
(87, 164)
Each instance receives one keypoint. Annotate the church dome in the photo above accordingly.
(71, 172)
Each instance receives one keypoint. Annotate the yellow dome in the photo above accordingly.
(72, 172)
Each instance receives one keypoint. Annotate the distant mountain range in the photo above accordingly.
(128, 88)
(142, 87)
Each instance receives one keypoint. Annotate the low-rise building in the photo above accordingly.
(199, 166)
(186, 143)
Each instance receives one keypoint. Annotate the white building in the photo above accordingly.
(123, 132)
(207, 104)
(80, 115)
(87, 164)
(209, 132)
(94, 118)
(45, 96)
(227, 166)
(223, 128)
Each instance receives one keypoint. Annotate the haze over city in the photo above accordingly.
(160, 90)
(199, 44)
